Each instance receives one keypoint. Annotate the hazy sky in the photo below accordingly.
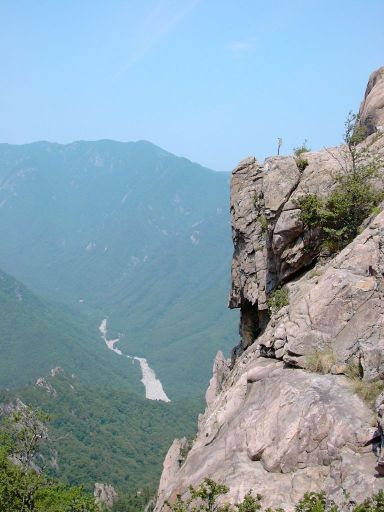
(212, 80)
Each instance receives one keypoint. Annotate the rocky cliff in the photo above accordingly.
(272, 423)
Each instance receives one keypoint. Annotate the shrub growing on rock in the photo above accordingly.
(354, 197)
(204, 499)
(278, 299)
(311, 207)
(340, 216)
(373, 504)
(263, 221)
(250, 503)
(314, 502)
(320, 360)
(367, 390)
(300, 160)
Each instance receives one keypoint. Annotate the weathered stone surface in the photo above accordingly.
(269, 425)
(372, 108)
(171, 467)
(281, 432)
(338, 307)
(42, 383)
(287, 228)
(105, 494)
(270, 244)
(219, 373)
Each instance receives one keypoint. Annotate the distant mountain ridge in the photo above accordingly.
(128, 232)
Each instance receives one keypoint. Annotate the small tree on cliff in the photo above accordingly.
(205, 497)
(23, 486)
(354, 197)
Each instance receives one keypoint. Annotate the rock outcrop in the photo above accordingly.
(105, 494)
(372, 108)
(271, 423)
(281, 432)
(42, 383)
(271, 246)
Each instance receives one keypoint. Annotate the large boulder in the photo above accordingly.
(372, 107)
(281, 432)
(337, 307)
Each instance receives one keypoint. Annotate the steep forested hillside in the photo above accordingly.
(129, 232)
(36, 336)
(102, 429)
(101, 434)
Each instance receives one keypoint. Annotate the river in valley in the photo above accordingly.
(153, 387)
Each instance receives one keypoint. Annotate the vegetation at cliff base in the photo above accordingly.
(24, 486)
(209, 496)
(105, 434)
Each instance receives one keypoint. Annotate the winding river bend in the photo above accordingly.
(153, 387)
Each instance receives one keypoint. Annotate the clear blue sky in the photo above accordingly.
(212, 80)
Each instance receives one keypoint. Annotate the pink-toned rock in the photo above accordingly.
(281, 432)
(270, 425)
(372, 108)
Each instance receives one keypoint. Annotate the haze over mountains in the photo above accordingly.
(130, 238)
(37, 335)
(128, 232)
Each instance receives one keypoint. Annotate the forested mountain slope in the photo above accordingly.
(37, 335)
(128, 232)
(101, 434)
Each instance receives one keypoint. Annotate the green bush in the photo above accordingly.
(373, 504)
(263, 221)
(311, 207)
(312, 502)
(302, 163)
(354, 198)
(340, 216)
(301, 149)
(278, 299)
(350, 203)
(250, 503)
(205, 499)
(300, 160)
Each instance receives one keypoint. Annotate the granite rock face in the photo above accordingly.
(271, 246)
(336, 307)
(105, 494)
(281, 432)
(372, 108)
(272, 424)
